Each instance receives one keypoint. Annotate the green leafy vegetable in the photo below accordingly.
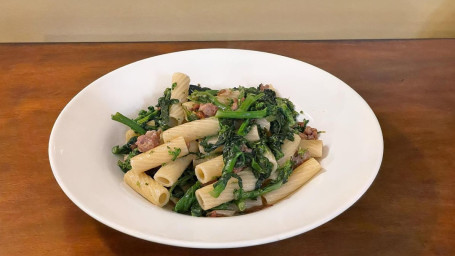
(283, 174)
(245, 127)
(261, 166)
(145, 116)
(199, 88)
(225, 134)
(207, 96)
(128, 122)
(126, 165)
(164, 103)
(250, 99)
(188, 177)
(175, 153)
(196, 210)
(241, 114)
(125, 149)
(184, 204)
(227, 173)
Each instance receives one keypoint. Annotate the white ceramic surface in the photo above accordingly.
(83, 135)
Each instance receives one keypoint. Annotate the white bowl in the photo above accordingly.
(83, 135)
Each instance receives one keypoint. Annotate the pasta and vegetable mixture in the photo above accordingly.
(218, 153)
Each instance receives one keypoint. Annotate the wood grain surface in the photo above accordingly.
(409, 209)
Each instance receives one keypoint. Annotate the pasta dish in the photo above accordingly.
(217, 153)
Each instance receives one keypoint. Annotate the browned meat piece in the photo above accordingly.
(309, 133)
(235, 104)
(195, 107)
(238, 169)
(200, 115)
(208, 109)
(224, 92)
(298, 159)
(263, 87)
(148, 141)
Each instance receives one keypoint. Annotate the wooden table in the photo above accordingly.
(409, 209)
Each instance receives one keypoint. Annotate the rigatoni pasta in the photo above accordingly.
(299, 176)
(168, 174)
(203, 159)
(209, 170)
(193, 130)
(289, 148)
(207, 201)
(130, 134)
(217, 152)
(159, 155)
(179, 91)
(314, 147)
(253, 134)
(147, 187)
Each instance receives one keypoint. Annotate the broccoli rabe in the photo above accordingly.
(199, 88)
(283, 174)
(184, 204)
(145, 116)
(188, 177)
(125, 149)
(126, 165)
(208, 96)
(164, 103)
(128, 122)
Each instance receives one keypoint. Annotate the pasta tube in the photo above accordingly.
(188, 105)
(253, 134)
(180, 87)
(207, 201)
(263, 123)
(209, 170)
(171, 172)
(289, 148)
(299, 176)
(193, 130)
(130, 134)
(159, 155)
(203, 160)
(193, 146)
(147, 187)
(211, 141)
(248, 179)
(314, 147)
(272, 160)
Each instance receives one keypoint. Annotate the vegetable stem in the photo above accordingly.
(243, 128)
(147, 117)
(128, 122)
(206, 97)
(241, 114)
(250, 99)
(261, 191)
(220, 185)
(284, 173)
(184, 204)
